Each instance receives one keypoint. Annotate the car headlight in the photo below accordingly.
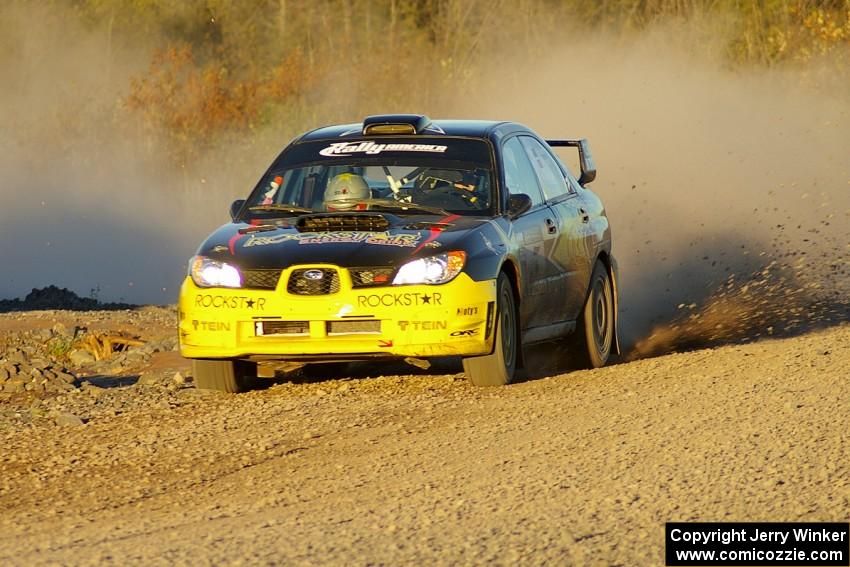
(212, 273)
(431, 270)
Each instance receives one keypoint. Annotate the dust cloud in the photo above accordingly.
(89, 201)
(728, 190)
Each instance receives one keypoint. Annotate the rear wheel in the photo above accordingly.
(498, 369)
(595, 332)
(224, 375)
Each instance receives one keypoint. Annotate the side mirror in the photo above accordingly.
(518, 204)
(234, 208)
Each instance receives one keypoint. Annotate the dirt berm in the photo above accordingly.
(580, 468)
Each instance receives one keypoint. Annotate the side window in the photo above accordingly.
(572, 181)
(519, 175)
(550, 175)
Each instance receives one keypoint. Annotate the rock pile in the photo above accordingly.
(131, 360)
(55, 348)
(60, 367)
(20, 373)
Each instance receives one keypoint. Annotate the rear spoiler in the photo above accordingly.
(588, 167)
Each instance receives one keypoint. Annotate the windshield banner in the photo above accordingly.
(344, 148)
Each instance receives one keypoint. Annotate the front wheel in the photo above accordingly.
(595, 332)
(230, 376)
(498, 369)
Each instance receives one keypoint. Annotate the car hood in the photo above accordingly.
(349, 240)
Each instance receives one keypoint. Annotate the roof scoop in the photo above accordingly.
(395, 124)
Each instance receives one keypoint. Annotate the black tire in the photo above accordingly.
(499, 368)
(230, 376)
(594, 334)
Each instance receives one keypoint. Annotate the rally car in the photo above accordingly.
(405, 238)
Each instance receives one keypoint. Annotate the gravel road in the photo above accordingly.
(578, 468)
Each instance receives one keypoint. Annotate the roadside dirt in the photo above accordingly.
(420, 468)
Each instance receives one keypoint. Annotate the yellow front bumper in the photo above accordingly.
(453, 319)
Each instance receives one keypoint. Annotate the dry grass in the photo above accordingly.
(244, 67)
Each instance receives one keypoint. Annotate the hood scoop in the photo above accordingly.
(338, 222)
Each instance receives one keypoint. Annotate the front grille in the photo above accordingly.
(330, 223)
(283, 328)
(353, 327)
(260, 279)
(313, 281)
(368, 277)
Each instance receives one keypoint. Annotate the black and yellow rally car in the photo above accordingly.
(403, 237)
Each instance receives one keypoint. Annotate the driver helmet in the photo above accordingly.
(343, 192)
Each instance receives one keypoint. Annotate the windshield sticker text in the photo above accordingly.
(345, 148)
(378, 238)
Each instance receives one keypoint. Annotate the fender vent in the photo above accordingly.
(428, 226)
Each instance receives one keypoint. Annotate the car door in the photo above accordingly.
(571, 257)
(534, 236)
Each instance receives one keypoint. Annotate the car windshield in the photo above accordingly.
(437, 176)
